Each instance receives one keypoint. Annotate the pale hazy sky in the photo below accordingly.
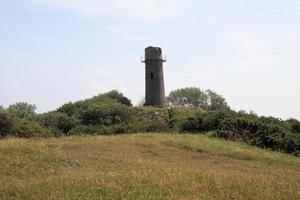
(55, 51)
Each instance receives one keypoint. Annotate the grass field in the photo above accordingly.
(144, 166)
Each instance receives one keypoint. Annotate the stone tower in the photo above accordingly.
(155, 88)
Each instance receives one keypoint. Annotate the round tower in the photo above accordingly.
(155, 88)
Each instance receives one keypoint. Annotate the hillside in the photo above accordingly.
(144, 166)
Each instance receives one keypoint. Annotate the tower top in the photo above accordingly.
(153, 53)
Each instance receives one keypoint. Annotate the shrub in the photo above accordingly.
(101, 130)
(83, 130)
(112, 98)
(29, 129)
(105, 114)
(57, 120)
(11, 126)
(264, 132)
(178, 115)
(149, 119)
(6, 124)
(294, 125)
(118, 96)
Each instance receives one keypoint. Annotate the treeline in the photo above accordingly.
(190, 110)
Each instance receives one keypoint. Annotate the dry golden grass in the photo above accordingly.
(144, 166)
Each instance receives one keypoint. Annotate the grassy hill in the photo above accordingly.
(144, 166)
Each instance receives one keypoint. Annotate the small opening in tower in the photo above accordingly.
(152, 75)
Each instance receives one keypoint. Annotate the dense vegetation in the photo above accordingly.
(191, 111)
(195, 97)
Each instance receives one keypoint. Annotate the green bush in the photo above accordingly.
(105, 114)
(101, 130)
(29, 129)
(118, 96)
(11, 126)
(264, 132)
(6, 124)
(150, 119)
(57, 121)
(179, 114)
(294, 125)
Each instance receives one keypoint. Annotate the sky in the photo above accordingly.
(56, 51)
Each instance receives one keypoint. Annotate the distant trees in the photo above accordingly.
(193, 96)
(22, 110)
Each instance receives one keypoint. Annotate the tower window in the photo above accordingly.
(151, 75)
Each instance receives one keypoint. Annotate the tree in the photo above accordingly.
(190, 96)
(215, 101)
(22, 110)
(193, 96)
(1, 108)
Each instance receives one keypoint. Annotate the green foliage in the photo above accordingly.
(1, 108)
(11, 126)
(215, 101)
(22, 110)
(142, 119)
(6, 124)
(195, 97)
(265, 132)
(57, 121)
(178, 115)
(16, 127)
(150, 119)
(190, 96)
(76, 109)
(28, 129)
(105, 114)
(294, 125)
(119, 97)
(193, 111)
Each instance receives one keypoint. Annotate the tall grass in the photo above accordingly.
(144, 166)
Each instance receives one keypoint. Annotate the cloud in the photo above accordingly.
(121, 32)
(134, 9)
